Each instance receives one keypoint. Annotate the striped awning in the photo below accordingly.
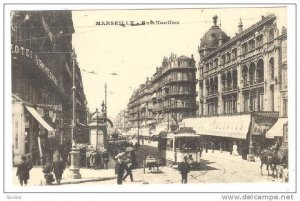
(236, 126)
(277, 129)
(40, 119)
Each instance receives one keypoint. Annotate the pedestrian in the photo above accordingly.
(212, 147)
(206, 147)
(131, 165)
(47, 170)
(23, 171)
(120, 168)
(184, 168)
(58, 169)
(35, 155)
(93, 160)
(230, 148)
(56, 155)
(105, 157)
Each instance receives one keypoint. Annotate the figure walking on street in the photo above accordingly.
(105, 157)
(58, 169)
(47, 170)
(131, 165)
(23, 171)
(184, 168)
(120, 168)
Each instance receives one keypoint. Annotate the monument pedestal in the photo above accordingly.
(74, 167)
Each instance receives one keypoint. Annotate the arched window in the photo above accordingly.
(260, 71)
(271, 68)
(252, 74)
(223, 80)
(229, 81)
(234, 78)
(271, 34)
(245, 75)
(216, 84)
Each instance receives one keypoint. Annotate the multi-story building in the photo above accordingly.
(166, 98)
(41, 63)
(240, 83)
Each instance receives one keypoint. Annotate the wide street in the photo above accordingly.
(215, 168)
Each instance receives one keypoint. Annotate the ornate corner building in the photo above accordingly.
(242, 84)
(41, 58)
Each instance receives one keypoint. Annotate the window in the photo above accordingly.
(228, 56)
(271, 34)
(271, 66)
(259, 40)
(285, 108)
(284, 79)
(223, 59)
(244, 48)
(234, 53)
(251, 44)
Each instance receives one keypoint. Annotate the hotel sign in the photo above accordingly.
(18, 50)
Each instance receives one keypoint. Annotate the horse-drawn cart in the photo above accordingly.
(150, 162)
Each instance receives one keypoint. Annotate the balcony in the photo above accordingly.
(252, 83)
(213, 92)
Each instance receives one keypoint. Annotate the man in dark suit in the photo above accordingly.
(23, 171)
(184, 168)
(58, 169)
(120, 168)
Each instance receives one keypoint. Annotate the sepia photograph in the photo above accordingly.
(138, 97)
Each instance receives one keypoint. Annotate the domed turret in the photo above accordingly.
(210, 39)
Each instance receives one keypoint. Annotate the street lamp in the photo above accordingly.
(74, 167)
(250, 156)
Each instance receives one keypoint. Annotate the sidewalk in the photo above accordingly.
(87, 175)
(226, 155)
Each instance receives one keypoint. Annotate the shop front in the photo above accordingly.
(247, 131)
(32, 135)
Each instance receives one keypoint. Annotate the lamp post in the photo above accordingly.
(74, 167)
(250, 156)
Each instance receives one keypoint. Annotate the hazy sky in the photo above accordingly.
(133, 52)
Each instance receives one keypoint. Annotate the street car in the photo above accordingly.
(173, 146)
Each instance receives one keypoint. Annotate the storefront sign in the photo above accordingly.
(262, 122)
(15, 49)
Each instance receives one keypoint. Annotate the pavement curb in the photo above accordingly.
(88, 180)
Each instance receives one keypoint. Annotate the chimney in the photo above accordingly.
(240, 27)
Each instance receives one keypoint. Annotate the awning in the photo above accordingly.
(143, 105)
(36, 115)
(277, 129)
(236, 126)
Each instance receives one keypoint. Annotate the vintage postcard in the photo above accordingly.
(150, 98)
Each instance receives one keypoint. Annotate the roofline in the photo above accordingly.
(245, 32)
